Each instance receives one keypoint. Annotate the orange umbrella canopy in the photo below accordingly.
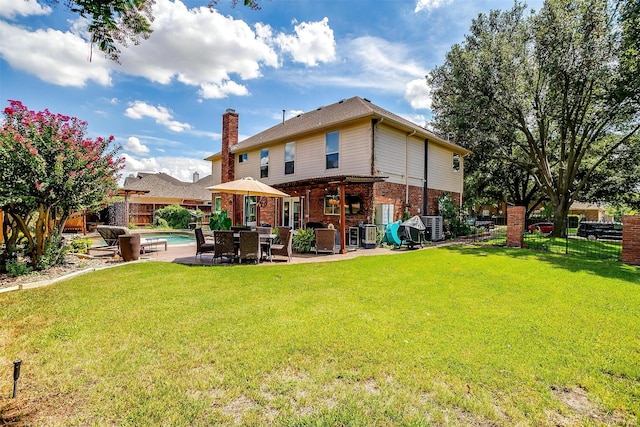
(247, 186)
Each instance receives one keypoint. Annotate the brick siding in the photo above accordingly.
(631, 239)
(515, 225)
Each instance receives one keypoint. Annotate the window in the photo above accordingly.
(353, 204)
(289, 158)
(217, 204)
(331, 205)
(250, 209)
(243, 157)
(456, 162)
(332, 145)
(264, 163)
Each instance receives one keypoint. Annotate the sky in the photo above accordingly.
(164, 102)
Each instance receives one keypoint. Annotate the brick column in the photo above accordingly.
(631, 239)
(515, 225)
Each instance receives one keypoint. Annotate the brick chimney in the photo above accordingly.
(229, 139)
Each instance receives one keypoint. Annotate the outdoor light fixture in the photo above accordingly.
(16, 375)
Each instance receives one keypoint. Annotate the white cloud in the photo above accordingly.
(162, 115)
(418, 93)
(181, 168)
(200, 47)
(135, 146)
(313, 43)
(12, 8)
(57, 57)
(430, 4)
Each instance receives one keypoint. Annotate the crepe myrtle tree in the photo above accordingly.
(48, 170)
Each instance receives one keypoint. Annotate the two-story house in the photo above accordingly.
(344, 164)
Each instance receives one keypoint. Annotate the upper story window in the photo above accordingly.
(264, 163)
(456, 162)
(332, 146)
(289, 158)
(243, 157)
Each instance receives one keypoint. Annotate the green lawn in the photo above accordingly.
(449, 336)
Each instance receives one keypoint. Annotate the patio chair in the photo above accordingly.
(249, 246)
(282, 233)
(325, 240)
(284, 248)
(224, 245)
(111, 233)
(201, 245)
(264, 230)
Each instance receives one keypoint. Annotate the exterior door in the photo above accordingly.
(291, 212)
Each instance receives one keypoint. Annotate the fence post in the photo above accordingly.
(515, 225)
(631, 239)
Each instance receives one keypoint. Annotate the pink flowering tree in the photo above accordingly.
(48, 170)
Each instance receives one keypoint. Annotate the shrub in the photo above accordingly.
(219, 221)
(80, 245)
(17, 268)
(160, 222)
(303, 240)
(175, 215)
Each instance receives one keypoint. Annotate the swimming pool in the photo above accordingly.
(172, 238)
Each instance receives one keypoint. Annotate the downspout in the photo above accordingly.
(406, 168)
(425, 187)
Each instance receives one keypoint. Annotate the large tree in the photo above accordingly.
(48, 170)
(115, 23)
(560, 81)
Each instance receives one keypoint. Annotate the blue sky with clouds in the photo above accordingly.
(165, 100)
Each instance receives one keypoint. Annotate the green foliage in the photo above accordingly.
(549, 94)
(54, 252)
(219, 221)
(160, 222)
(176, 216)
(80, 245)
(48, 170)
(452, 217)
(303, 240)
(17, 268)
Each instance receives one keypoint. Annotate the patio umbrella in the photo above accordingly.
(248, 187)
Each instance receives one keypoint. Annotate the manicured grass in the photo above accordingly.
(448, 336)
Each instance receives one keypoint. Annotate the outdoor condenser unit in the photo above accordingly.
(434, 225)
(369, 237)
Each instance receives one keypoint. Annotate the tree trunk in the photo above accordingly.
(560, 214)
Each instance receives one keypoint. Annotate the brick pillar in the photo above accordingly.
(515, 225)
(229, 139)
(631, 239)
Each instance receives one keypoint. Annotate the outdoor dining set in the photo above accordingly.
(244, 245)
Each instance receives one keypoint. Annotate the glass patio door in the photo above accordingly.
(291, 212)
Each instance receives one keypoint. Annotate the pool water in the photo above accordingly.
(172, 238)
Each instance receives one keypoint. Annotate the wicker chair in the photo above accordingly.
(282, 233)
(284, 248)
(223, 245)
(325, 240)
(249, 246)
(201, 245)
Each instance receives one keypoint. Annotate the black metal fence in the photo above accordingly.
(589, 240)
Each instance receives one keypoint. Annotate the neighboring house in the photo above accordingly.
(161, 190)
(381, 163)
(588, 212)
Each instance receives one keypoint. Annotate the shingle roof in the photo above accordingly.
(332, 115)
(163, 185)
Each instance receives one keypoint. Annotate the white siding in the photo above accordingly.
(216, 171)
(397, 155)
(355, 157)
(441, 173)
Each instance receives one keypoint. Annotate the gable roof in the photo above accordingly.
(166, 186)
(335, 114)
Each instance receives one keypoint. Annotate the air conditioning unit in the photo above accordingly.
(434, 225)
(369, 237)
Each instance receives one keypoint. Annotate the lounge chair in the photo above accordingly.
(224, 245)
(284, 248)
(111, 233)
(325, 240)
(201, 245)
(249, 247)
